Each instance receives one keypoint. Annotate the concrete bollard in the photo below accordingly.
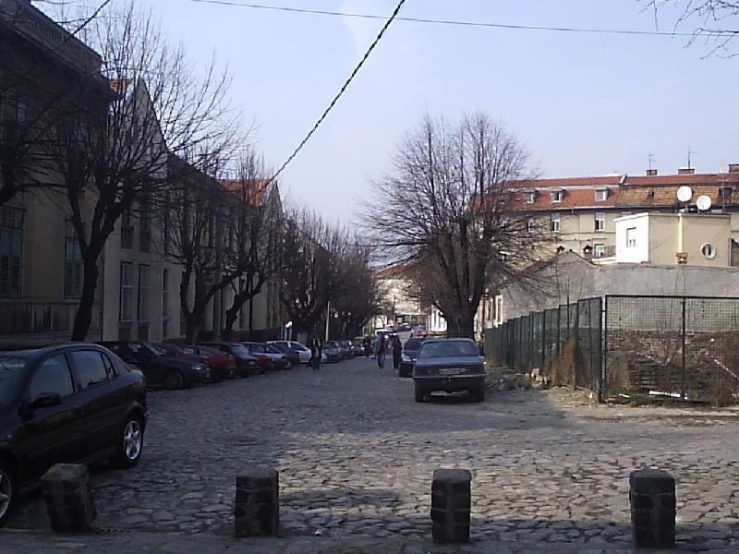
(653, 508)
(69, 501)
(451, 504)
(257, 508)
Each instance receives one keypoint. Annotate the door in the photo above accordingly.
(144, 358)
(52, 434)
(104, 400)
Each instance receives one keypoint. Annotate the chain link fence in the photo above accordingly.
(630, 347)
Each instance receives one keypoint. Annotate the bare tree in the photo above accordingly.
(446, 212)
(713, 20)
(311, 271)
(356, 298)
(255, 233)
(116, 162)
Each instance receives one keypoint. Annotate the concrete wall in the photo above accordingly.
(571, 278)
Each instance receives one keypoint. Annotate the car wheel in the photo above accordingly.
(420, 395)
(479, 394)
(7, 491)
(173, 380)
(130, 443)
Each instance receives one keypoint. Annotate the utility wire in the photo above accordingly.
(341, 92)
(481, 24)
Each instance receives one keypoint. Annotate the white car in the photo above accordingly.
(302, 351)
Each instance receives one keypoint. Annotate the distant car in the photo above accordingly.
(246, 364)
(346, 349)
(408, 356)
(222, 364)
(357, 348)
(293, 346)
(449, 365)
(276, 358)
(332, 352)
(74, 403)
(158, 367)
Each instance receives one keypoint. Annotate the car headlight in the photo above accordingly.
(405, 357)
(197, 367)
(252, 362)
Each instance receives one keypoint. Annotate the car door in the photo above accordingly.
(52, 434)
(103, 398)
(143, 357)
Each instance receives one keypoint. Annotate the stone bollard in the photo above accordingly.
(69, 501)
(451, 503)
(257, 508)
(653, 508)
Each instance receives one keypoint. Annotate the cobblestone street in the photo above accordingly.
(356, 455)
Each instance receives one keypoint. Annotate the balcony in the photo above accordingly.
(41, 319)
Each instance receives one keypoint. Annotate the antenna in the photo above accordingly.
(651, 161)
(690, 157)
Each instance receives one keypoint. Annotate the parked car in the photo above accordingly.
(357, 348)
(74, 403)
(158, 367)
(246, 364)
(332, 352)
(217, 362)
(346, 349)
(222, 364)
(449, 365)
(278, 360)
(292, 346)
(408, 356)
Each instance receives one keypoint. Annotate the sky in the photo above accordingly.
(583, 104)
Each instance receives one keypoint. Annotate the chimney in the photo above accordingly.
(651, 172)
(686, 171)
(733, 168)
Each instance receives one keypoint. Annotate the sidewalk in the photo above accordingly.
(24, 542)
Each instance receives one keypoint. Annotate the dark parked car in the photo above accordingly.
(75, 403)
(222, 364)
(246, 364)
(332, 352)
(160, 368)
(449, 365)
(276, 358)
(346, 349)
(408, 356)
(357, 348)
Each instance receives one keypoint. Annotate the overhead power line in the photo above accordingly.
(341, 92)
(479, 24)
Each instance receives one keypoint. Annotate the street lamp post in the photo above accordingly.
(328, 316)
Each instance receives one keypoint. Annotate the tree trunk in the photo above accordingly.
(231, 317)
(193, 324)
(83, 318)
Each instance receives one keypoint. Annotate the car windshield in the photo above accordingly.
(331, 345)
(413, 344)
(271, 349)
(240, 351)
(158, 350)
(449, 349)
(11, 369)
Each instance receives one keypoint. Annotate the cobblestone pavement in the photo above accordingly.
(356, 455)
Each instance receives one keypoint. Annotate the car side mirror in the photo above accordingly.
(45, 400)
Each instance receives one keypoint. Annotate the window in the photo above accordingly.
(126, 308)
(52, 377)
(600, 221)
(631, 237)
(126, 218)
(165, 293)
(11, 251)
(72, 268)
(92, 368)
(599, 250)
(555, 224)
(13, 117)
(557, 196)
(708, 251)
(529, 197)
(530, 225)
(143, 307)
(601, 195)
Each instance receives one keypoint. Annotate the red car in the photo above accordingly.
(221, 364)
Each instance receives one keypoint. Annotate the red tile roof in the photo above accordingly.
(252, 191)
(393, 272)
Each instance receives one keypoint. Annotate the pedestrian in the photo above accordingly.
(380, 352)
(316, 351)
(367, 347)
(397, 351)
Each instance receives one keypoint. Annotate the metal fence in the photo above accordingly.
(630, 346)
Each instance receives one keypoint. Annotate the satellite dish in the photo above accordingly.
(703, 203)
(684, 194)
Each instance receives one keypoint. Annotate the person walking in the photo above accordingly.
(381, 350)
(397, 351)
(367, 347)
(316, 351)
